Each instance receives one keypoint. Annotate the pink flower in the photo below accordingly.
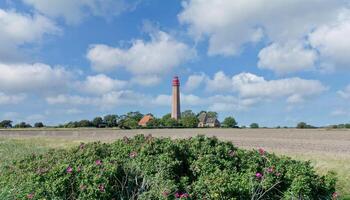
(231, 153)
(185, 195)
(335, 195)
(101, 187)
(30, 196)
(177, 195)
(258, 175)
(278, 174)
(165, 193)
(79, 169)
(69, 169)
(261, 151)
(98, 162)
(270, 169)
(133, 154)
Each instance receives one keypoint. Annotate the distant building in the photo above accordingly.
(175, 107)
(206, 121)
(145, 119)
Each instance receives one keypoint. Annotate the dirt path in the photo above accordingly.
(336, 142)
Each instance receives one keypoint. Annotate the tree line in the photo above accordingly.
(130, 120)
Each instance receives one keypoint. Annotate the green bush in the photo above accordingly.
(154, 168)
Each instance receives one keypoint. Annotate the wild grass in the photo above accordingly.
(11, 149)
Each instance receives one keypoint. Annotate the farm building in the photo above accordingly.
(207, 121)
(145, 119)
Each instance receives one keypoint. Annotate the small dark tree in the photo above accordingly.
(303, 125)
(229, 122)
(111, 120)
(254, 125)
(38, 125)
(97, 122)
(6, 124)
(82, 123)
(23, 125)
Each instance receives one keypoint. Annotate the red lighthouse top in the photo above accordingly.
(176, 81)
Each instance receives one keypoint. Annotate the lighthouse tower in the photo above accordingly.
(175, 111)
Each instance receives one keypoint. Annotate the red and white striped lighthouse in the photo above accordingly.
(175, 111)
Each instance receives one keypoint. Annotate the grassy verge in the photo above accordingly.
(18, 148)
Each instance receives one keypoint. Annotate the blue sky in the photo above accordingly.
(275, 64)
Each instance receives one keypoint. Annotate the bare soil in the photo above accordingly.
(314, 141)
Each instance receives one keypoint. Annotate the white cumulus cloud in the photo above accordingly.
(333, 43)
(287, 58)
(101, 84)
(11, 99)
(345, 93)
(19, 29)
(152, 59)
(36, 77)
(231, 24)
(194, 81)
(248, 85)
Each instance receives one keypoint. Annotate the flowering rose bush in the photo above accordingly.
(153, 168)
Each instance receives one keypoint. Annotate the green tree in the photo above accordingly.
(212, 114)
(81, 123)
(169, 122)
(301, 125)
(153, 123)
(137, 116)
(189, 119)
(6, 124)
(254, 125)
(38, 125)
(304, 125)
(130, 120)
(23, 125)
(111, 120)
(97, 122)
(229, 122)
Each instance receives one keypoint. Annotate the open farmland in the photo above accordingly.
(327, 149)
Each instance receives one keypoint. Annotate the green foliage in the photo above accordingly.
(22, 125)
(189, 119)
(254, 125)
(38, 125)
(304, 125)
(154, 123)
(111, 120)
(229, 122)
(6, 124)
(97, 122)
(169, 122)
(154, 168)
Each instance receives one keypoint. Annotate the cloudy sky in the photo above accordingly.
(272, 62)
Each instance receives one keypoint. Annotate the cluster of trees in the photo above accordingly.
(130, 120)
(8, 124)
(340, 126)
(303, 125)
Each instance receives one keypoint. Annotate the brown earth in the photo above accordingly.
(319, 141)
